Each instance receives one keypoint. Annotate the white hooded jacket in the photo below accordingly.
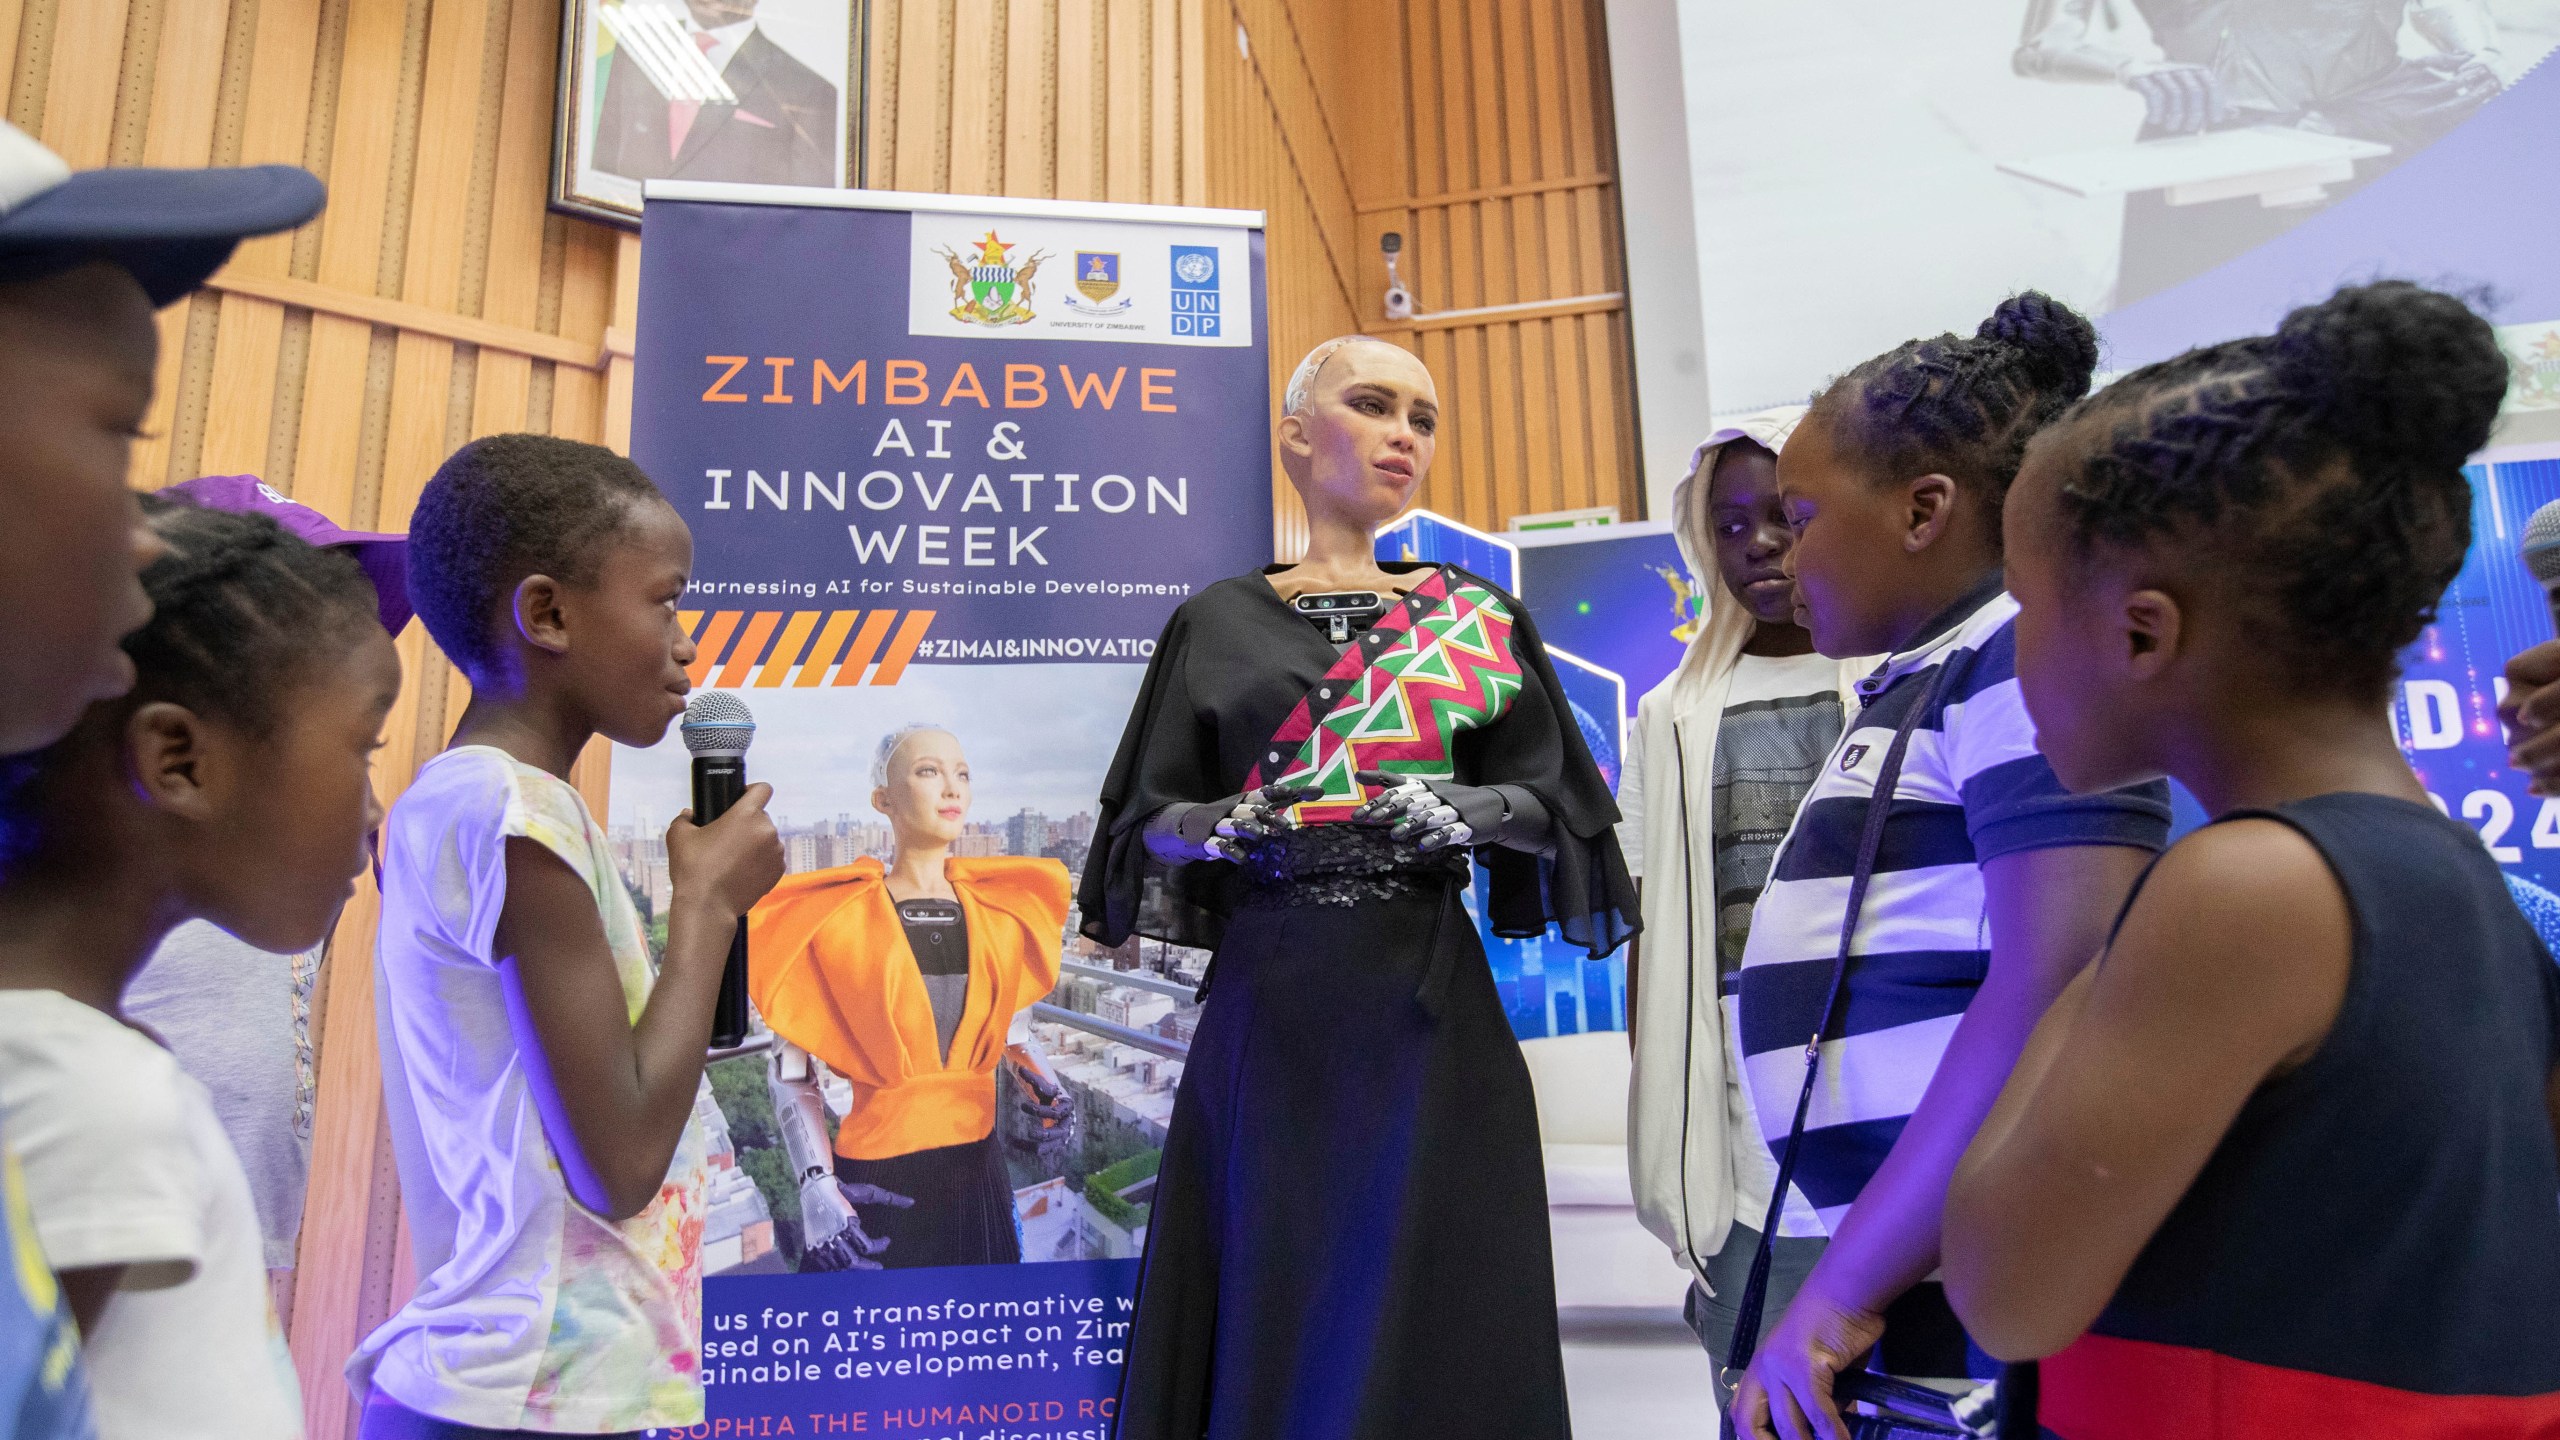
(1679, 1153)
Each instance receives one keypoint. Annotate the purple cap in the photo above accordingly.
(385, 558)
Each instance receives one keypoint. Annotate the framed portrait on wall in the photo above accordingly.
(755, 92)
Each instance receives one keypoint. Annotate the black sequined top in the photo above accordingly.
(1344, 865)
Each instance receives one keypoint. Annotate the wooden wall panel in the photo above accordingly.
(1485, 143)
(1273, 147)
(436, 299)
(1064, 99)
(1477, 129)
(85, 72)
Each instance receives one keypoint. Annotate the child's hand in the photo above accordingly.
(2531, 713)
(1786, 1394)
(730, 863)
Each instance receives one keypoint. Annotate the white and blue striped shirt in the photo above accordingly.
(1972, 788)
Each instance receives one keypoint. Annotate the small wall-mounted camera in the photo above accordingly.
(1400, 304)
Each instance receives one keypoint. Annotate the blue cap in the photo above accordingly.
(170, 228)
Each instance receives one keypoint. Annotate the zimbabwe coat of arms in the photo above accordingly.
(990, 288)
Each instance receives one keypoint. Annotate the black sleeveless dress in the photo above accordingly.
(2374, 1248)
(1349, 1239)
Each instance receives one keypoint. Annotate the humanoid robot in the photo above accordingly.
(904, 1070)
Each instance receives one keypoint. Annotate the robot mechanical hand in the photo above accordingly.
(1433, 814)
(2177, 98)
(835, 1239)
(832, 1237)
(1044, 1116)
(1222, 829)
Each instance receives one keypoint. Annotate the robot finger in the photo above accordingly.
(1417, 822)
(1245, 826)
(2198, 87)
(2155, 96)
(1408, 798)
(1458, 833)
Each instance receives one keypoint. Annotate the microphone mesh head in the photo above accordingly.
(2542, 543)
(717, 723)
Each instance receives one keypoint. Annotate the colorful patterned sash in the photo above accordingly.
(1437, 664)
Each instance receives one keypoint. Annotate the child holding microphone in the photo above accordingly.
(540, 1080)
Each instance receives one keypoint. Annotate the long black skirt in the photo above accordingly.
(1349, 1237)
(963, 1213)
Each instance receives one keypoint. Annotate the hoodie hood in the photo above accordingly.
(1723, 624)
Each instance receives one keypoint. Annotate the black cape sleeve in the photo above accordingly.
(1581, 886)
(1168, 753)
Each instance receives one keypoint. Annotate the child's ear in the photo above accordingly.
(538, 613)
(1932, 499)
(2154, 629)
(169, 757)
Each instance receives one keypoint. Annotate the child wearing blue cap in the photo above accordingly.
(84, 261)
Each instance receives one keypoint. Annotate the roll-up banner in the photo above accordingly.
(950, 462)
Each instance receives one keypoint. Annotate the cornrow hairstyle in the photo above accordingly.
(504, 507)
(2317, 471)
(1964, 408)
(242, 613)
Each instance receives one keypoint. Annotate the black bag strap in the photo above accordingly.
(1755, 1292)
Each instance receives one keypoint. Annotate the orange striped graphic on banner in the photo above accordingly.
(813, 671)
(786, 651)
(865, 641)
(723, 624)
(737, 654)
(903, 649)
(743, 659)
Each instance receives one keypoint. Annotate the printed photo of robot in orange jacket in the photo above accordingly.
(911, 983)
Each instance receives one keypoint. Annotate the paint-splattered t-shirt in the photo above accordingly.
(532, 1311)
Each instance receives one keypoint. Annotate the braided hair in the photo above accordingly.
(504, 507)
(2318, 470)
(242, 613)
(1964, 408)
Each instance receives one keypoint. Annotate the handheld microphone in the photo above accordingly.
(2542, 553)
(718, 730)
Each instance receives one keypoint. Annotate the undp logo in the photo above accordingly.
(1195, 290)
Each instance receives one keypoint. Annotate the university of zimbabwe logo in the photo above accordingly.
(990, 288)
(1098, 280)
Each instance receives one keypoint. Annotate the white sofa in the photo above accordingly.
(1603, 1257)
